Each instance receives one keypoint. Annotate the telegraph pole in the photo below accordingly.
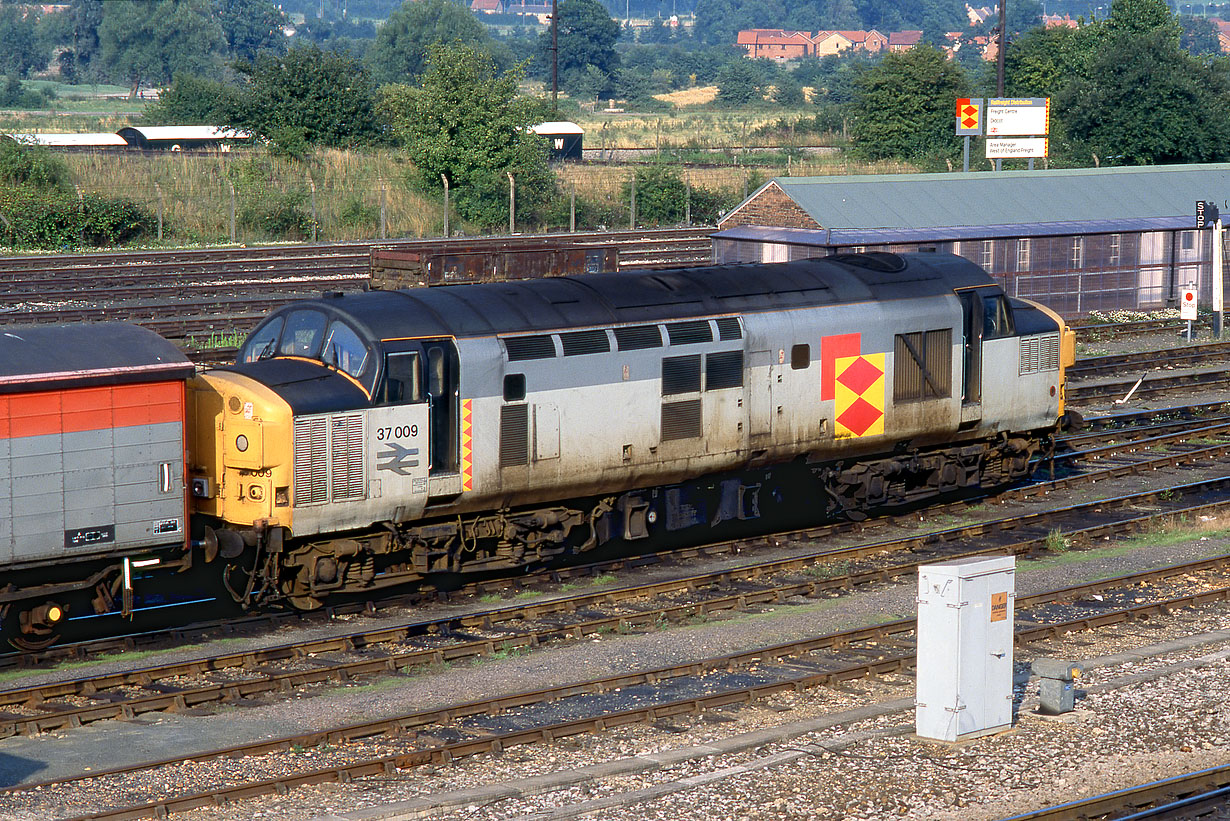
(555, 55)
(1003, 46)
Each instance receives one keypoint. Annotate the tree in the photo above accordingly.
(1146, 101)
(467, 122)
(739, 84)
(587, 36)
(1141, 17)
(788, 92)
(193, 100)
(719, 21)
(23, 49)
(903, 107)
(323, 97)
(251, 27)
(399, 53)
(1199, 36)
(149, 42)
(76, 30)
(1044, 61)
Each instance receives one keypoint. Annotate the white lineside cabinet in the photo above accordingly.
(964, 686)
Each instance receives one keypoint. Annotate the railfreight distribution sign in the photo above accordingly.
(1017, 128)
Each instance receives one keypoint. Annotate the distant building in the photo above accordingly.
(487, 6)
(904, 40)
(1051, 21)
(563, 139)
(1223, 33)
(541, 13)
(783, 44)
(775, 44)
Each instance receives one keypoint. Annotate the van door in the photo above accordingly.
(971, 371)
(399, 433)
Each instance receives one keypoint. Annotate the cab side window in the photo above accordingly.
(996, 317)
(403, 379)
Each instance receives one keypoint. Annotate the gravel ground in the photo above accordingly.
(832, 764)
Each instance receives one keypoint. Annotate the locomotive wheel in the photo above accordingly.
(34, 628)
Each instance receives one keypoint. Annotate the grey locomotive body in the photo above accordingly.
(471, 427)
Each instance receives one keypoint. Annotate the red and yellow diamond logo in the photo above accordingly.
(859, 396)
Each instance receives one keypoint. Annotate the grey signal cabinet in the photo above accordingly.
(965, 617)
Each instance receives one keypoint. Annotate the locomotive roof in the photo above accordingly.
(654, 295)
(45, 357)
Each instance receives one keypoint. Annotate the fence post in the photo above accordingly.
(384, 210)
(512, 203)
(687, 200)
(572, 211)
(315, 221)
(158, 188)
(231, 186)
(80, 215)
(632, 205)
(445, 179)
(746, 174)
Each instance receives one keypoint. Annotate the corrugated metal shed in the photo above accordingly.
(1005, 198)
(71, 140)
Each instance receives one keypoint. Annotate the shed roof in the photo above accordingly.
(848, 237)
(557, 128)
(66, 140)
(187, 132)
(1004, 198)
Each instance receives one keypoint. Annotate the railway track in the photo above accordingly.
(279, 669)
(195, 292)
(444, 734)
(1203, 794)
(1150, 384)
(1142, 447)
(1142, 361)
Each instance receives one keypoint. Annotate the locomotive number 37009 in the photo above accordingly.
(396, 432)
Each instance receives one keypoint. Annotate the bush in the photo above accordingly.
(31, 166)
(14, 95)
(357, 212)
(277, 214)
(57, 219)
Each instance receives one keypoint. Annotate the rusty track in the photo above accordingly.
(1109, 466)
(859, 644)
(706, 595)
(1193, 795)
(1144, 360)
(1154, 384)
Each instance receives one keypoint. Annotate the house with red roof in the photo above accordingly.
(903, 40)
(775, 44)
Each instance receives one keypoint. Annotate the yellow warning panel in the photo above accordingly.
(467, 445)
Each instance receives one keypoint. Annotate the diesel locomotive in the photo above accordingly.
(367, 440)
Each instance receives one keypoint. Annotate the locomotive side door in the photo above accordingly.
(759, 393)
(971, 371)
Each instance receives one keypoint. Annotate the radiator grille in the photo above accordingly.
(514, 435)
(1039, 353)
(311, 462)
(346, 448)
(681, 420)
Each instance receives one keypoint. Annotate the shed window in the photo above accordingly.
(680, 374)
(1078, 252)
(689, 333)
(800, 357)
(724, 370)
(923, 365)
(583, 342)
(529, 347)
(638, 337)
(1022, 255)
(1114, 249)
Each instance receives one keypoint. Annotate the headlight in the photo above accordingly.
(241, 442)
